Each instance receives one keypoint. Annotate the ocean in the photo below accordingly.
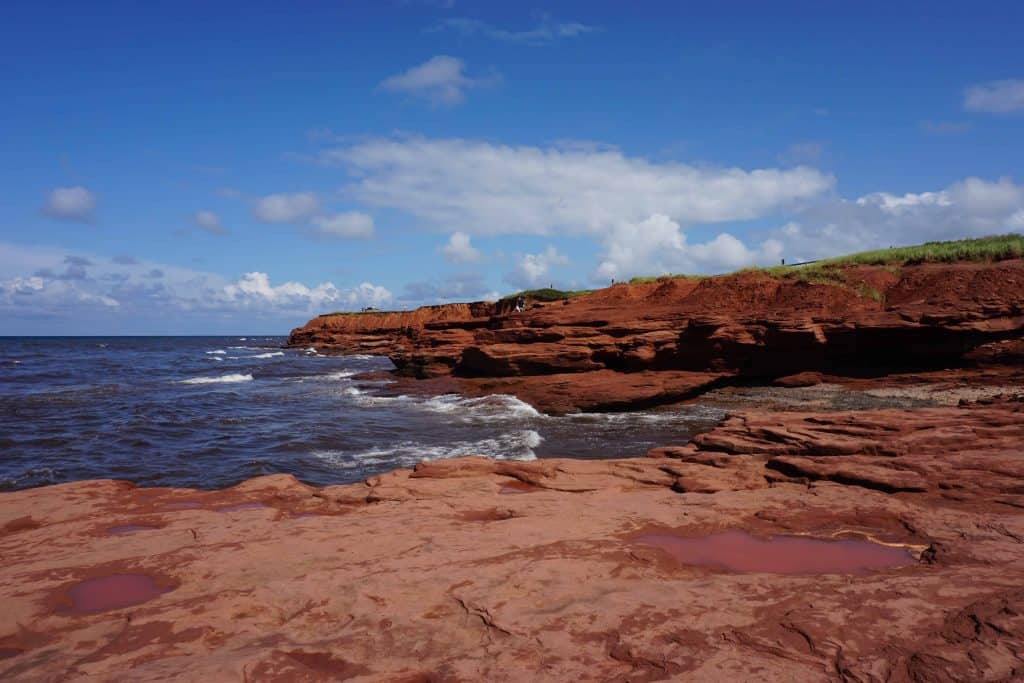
(209, 412)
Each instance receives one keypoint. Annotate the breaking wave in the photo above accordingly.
(484, 408)
(516, 445)
(222, 379)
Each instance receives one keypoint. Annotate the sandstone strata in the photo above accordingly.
(470, 569)
(608, 350)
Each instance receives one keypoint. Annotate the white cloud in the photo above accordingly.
(972, 207)
(285, 208)
(480, 188)
(70, 204)
(459, 250)
(45, 281)
(440, 81)
(254, 290)
(545, 32)
(657, 245)
(209, 221)
(533, 270)
(995, 97)
(347, 225)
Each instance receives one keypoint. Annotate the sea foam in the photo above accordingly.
(515, 445)
(266, 355)
(222, 379)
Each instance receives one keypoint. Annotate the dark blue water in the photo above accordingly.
(212, 411)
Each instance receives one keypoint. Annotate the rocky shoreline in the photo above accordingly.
(471, 569)
(856, 517)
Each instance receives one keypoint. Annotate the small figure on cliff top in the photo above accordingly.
(520, 304)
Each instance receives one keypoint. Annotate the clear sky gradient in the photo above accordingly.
(230, 167)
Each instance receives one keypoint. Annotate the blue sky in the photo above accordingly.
(197, 167)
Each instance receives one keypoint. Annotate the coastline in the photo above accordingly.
(455, 570)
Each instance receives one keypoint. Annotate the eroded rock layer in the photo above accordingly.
(869, 322)
(469, 569)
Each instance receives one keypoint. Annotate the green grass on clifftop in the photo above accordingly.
(995, 248)
(547, 294)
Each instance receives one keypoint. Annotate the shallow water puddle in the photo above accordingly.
(739, 551)
(112, 592)
(129, 529)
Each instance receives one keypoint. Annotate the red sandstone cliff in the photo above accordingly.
(663, 341)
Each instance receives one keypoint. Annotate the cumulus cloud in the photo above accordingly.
(441, 81)
(347, 225)
(533, 270)
(972, 207)
(70, 204)
(545, 32)
(658, 245)
(253, 290)
(45, 281)
(285, 208)
(995, 97)
(459, 249)
(480, 188)
(209, 221)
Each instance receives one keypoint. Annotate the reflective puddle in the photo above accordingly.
(112, 592)
(739, 551)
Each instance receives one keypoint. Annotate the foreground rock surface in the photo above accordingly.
(469, 569)
(634, 346)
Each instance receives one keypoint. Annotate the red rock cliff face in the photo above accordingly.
(747, 325)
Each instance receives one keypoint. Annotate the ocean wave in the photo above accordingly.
(222, 379)
(493, 407)
(683, 413)
(516, 445)
(213, 358)
(218, 352)
(265, 355)
(335, 376)
(362, 356)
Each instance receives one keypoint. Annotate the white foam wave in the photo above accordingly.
(362, 356)
(517, 445)
(222, 379)
(311, 351)
(266, 355)
(494, 407)
(218, 352)
(336, 376)
(213, 358)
